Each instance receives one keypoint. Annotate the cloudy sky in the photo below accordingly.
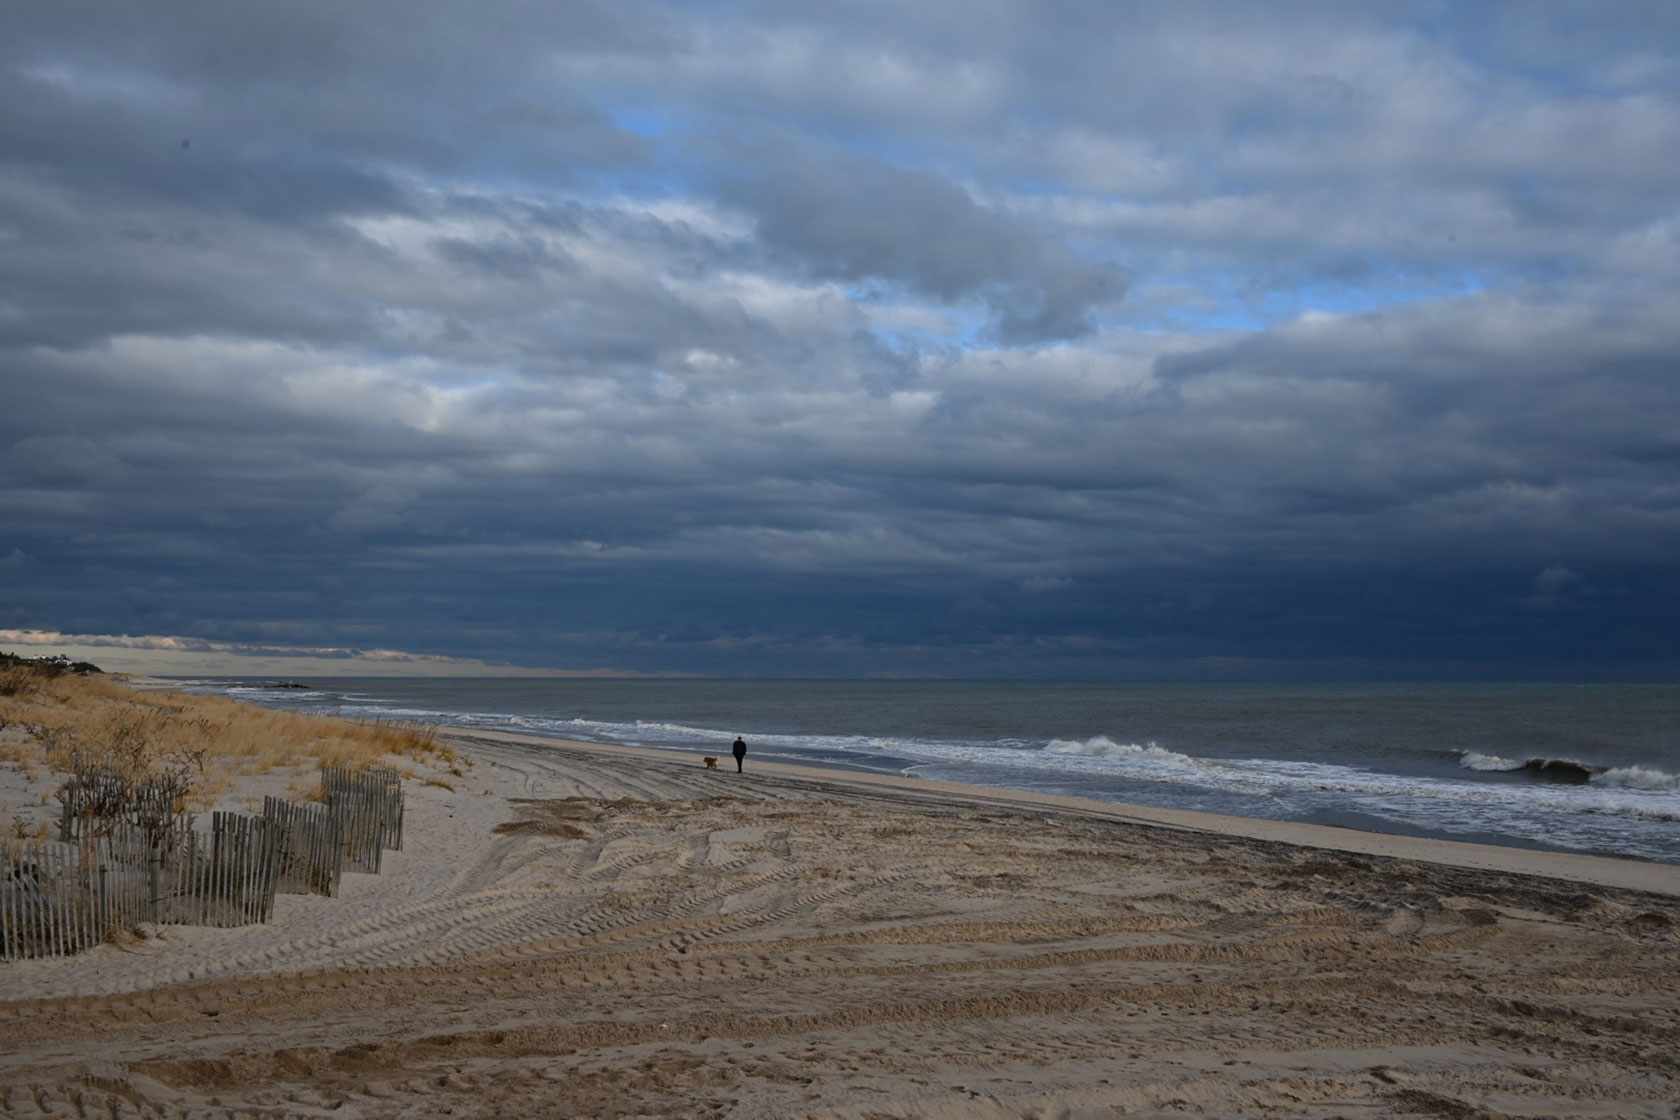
(978, 338)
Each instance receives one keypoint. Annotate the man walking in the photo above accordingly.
(740, 752)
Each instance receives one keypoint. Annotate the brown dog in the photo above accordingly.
(711, 762)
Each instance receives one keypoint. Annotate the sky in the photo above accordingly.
(952, 339)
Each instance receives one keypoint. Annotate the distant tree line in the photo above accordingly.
(52, 665)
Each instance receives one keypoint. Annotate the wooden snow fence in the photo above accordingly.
(369, 806)
(61, 897)
(58, 898)
(54, 899)
(311, 847)
(225, 879)
(362, 817)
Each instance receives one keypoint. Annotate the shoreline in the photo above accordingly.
(1598, 870)
(1264, 753)
(587, 929)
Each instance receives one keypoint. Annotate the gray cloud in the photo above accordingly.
(1000, 339)
(855, 219)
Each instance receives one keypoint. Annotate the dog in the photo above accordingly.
(711, 762)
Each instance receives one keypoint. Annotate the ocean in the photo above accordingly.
(1572, 767)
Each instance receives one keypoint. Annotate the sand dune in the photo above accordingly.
(577, 931)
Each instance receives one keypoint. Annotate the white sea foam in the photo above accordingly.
(1637, 777)
(1651, 809)
(1103, 747)
(1471, 760)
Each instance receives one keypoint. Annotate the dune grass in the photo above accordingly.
(50, 722)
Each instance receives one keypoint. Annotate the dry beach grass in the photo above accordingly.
(584, 931)
(44, 718)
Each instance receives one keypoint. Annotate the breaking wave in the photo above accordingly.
(1638, 777)
(1103, 747)
(1471, 760)
(1574, 771)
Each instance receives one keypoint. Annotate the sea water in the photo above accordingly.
(1588, 768)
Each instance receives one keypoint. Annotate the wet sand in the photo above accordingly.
(585, 931)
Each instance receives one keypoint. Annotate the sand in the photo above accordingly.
(576, 930)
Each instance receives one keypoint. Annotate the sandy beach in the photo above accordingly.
(576, 930)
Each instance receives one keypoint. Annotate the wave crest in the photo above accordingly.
(1471, 760)
(1101, 746)
(1637, 777)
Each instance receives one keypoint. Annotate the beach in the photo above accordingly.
(576, 929)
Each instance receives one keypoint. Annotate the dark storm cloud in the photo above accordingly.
(851, 218)
(994, 339)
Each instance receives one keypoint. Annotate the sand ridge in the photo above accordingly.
(578, 931)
